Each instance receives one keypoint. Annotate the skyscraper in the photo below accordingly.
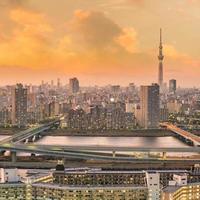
(73, 85)
(58, 83)
(160, 58)
(19, 105)
(150, 106)
(172, 85)
(52, 83)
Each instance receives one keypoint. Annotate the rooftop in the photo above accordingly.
(67, 187)
(172, 189)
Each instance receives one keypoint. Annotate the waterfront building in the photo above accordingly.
(149, 106)
(76, 119)
(97, 117)
(19, 105)
(130, 121)
(112, 116)
(115, 115)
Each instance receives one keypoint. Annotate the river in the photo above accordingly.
(167, 141)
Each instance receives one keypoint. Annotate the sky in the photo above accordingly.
(99, 41)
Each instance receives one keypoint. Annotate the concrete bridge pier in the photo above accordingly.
(36, 137)
(13, 156)
(164, 155)
(57, 125)
(2, 153)
(33, 139)
(30, 139)
(114, 154)
(26, 141)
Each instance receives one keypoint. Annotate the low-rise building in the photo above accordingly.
(98, 184)
(49, 191)
(180, 189)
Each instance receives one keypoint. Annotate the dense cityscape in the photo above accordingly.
(32, 112)
(63, 140)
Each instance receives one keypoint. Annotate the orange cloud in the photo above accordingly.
(13, 3)
(128, 40)
(137, 2)
(92, 44)
(28, 44)
(93, 29)
(171, 52)
(31, 22)
(96, 44)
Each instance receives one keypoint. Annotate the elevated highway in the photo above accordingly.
(189, 137)
(97, 148)
(73, 152)
(15, 144)
(30, 133)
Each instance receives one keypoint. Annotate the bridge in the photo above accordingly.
(93, 153)
(16, 144)
(187, 136)
(106, 148)
(31, 134)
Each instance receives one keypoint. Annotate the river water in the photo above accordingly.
(167, 141)
(112, 141)
(164, 142)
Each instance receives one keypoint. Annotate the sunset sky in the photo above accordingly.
(99, 41)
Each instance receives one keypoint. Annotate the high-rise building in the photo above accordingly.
(164, 113)
(174, 106)
(58, 83)
(131, 87)
(74, 85)
(149, 106)
(115, 115)
(172, 85)
(76, 119)
(160, 58)
(52, 83)
(19, 105)
(115, 88)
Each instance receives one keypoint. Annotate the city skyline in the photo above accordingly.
(95, 40)
(99, 99)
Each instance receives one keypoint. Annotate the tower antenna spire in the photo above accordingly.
(160, 58)
(160, 36)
